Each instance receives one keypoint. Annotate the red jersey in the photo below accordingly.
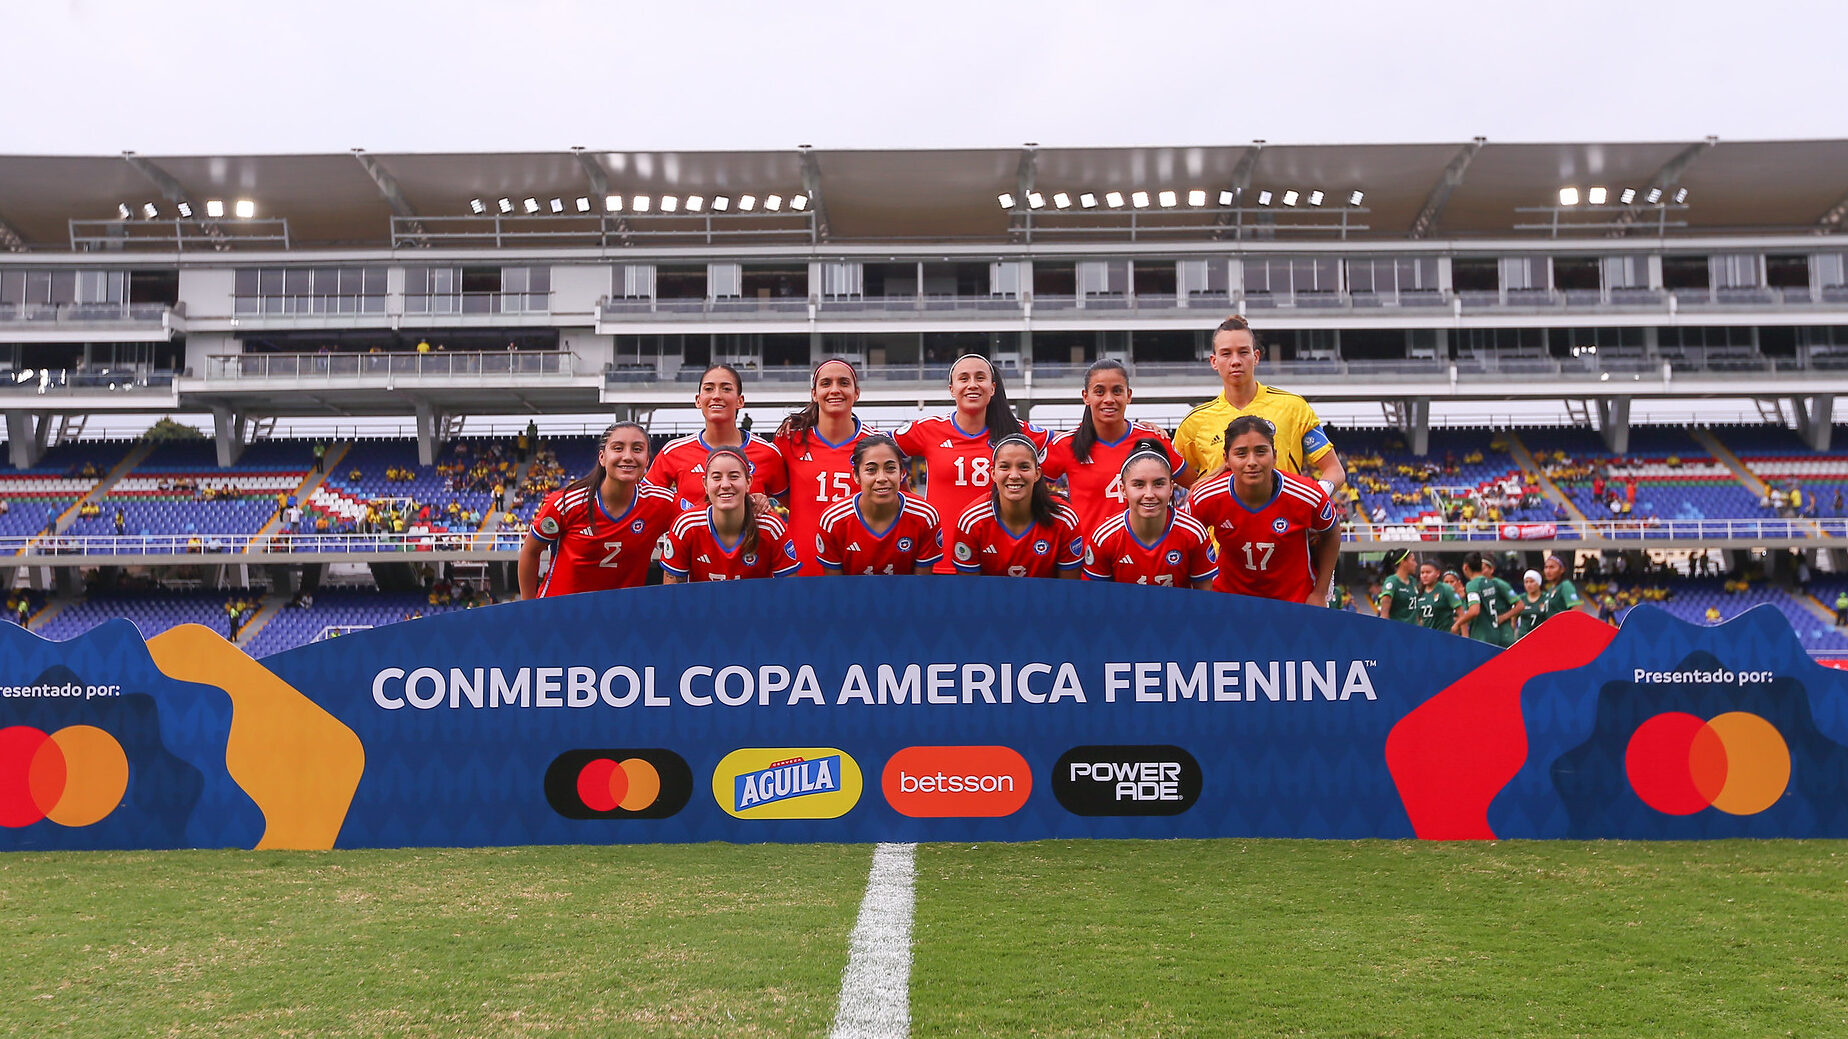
(694, 552)
(957, 463)
(820, 474)
(593, 550)
(844, 543)
(1096, 485)
(1182, 554)
(681, 467)
(982, 545)
(1265, 551)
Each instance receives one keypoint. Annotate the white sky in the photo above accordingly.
(232, 76)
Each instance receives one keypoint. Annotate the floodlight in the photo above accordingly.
(1568, 196)
(1681, 195)
(1596, 196)
(505, 205)
(1167, 199)
(1226, 197)
(1315, 197)
(186, 211)
(150, 210)
(1006, 200)
(558, 205)
(475, 206)
(1264, 198)
(1628, 196)
(1355, 197)
(583, 204)
(746, 203)
(1654, 196)
(531, 205)
(721, 203)
(1139, 199)
(1196, 197)
(1290, 197)
(799, 202)
(639, 203)
(773, 202)
(124, 212)
(245, 209)
(1088, 200)
(670, 203)
(612, 203)
(695, 203)
(1035, 200)
(1061, 200)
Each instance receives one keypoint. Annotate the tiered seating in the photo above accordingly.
(180, 489)
(1676, 478)
(337, 608)
(152, 611)
(1779, 457)
(575, 456)
(34, 497)
(1468, 466)
(1692, 596)
(343, 498)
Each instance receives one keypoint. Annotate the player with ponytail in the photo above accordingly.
(1090, 458)
(732, 538)
(680, 465)
(1021, 529)
(601, 527)
(881, 530)
(818, 445)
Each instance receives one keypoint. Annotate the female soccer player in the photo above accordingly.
(1400, 587)
(1020, 529)
(602, 526)
(731, 538)
(1437, 603)
(1533, 605)
(1277, 532)
(958, 448)
(1091, 457)
(881, 530)
(817, 444)
(1561, 594)
(1150, 542)
(680, 465)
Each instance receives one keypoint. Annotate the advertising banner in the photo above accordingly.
(1528, 531)
(916, 709)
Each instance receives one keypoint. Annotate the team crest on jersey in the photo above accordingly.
(963, 551)
(1077, 544)
(1089, 557)
(549, 527)
(820, 545)
(750, 559)
(904, 544)
(637, 526)
(1041, 547)
(1280, 525)
(1174, 557)
(789, 549)
(1328, 510)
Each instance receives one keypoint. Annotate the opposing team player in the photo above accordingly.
(1436, 604)
(881, 530)
(1090, 458)
(601, 527)
(958, 448)
(680, 467)
(1400, 587)
(1277, 532)
(1561, 594)
(817, 445)
(1019, 529)
(1150, 542)
(1302, 445)
(732, 538)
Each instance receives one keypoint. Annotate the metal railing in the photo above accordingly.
(1770, 528)
(177, 235)
(83, 313)
(92, 545)
(70, 381)
(602, 230)
(445, 304)
(436, 364)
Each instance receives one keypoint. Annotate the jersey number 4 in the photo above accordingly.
(1258, 554)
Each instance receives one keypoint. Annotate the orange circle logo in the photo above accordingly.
(1736, 762)
(74, 777)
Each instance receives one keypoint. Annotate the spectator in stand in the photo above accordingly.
(121, 522)
(1841, 609)
(1713, 615)
(1835, 508)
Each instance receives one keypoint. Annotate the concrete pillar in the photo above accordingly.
(1815, 417)
(1418, 425)
(228, 430)
(427, 433)
(1614, 423)
(26, 435)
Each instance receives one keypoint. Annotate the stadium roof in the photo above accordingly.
(1439, 190)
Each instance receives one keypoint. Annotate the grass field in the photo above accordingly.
(1128, 938)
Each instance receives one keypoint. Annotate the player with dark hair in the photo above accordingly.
(680, 467)
(1277, 532)
(731, 538)
(1150, 542)
(958, 448)
(817, 445)
(1400, 587)
(1302, 444)
(1020, 529)
(1512, 604)
(1090, 458)
(1437, 603)
(881, 530)
(1561, 594)
(601, 527)
(1488, 612)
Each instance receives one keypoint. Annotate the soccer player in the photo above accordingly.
(1437, 603)
(1561, 593)
(1020, 529)
(680, 467)
(881, 530)
(1400, 587)
(1277, 532)
(1150, 542)
(958, 448)
(1533, 605)
(732, 538)
(817, 445)
(1090, 458)
(1483, 605)
(1505, 598)
(601, 527)
(1302, 445)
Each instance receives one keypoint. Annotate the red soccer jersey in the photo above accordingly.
(694, 552)
(957, 464)
(593, 550)
(845, 544)
(1265, 551)
(981, 545)
(1182, 554)
(1096, 485)
(681, 467)
(820, 475)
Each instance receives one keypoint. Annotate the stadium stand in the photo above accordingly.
(337, 611)
(1467, 476)
(152, 611)
(1666, 475)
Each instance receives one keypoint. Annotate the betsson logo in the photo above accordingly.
(957, 782)
(1126, 780)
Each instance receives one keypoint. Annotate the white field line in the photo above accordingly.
(876, 986)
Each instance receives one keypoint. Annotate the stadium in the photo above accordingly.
(284, 749)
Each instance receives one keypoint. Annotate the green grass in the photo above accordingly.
(1058, 938)
(1278, 938)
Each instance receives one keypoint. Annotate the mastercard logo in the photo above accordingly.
(650, 783)
(1736, 762)
(74, 777)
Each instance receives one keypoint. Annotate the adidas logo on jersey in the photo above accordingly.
(699, 468)
(946, 443)
(589, 532)
(988, 550)
(806, 458)
(854, 547)
(703, 559)
(1126, 561)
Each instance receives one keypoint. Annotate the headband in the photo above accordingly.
(1147, 452)
(1016, 438)
(979, 357)
(738, 452)
(1531, 575)
(815, 376)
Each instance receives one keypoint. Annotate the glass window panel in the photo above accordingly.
(373, 281)
(244, 282)
(63, 287)
(269, 282)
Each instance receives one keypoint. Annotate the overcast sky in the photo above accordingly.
(233, 76)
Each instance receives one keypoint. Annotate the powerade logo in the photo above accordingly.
(650, 783)
(787, 783)
(1126, 780)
